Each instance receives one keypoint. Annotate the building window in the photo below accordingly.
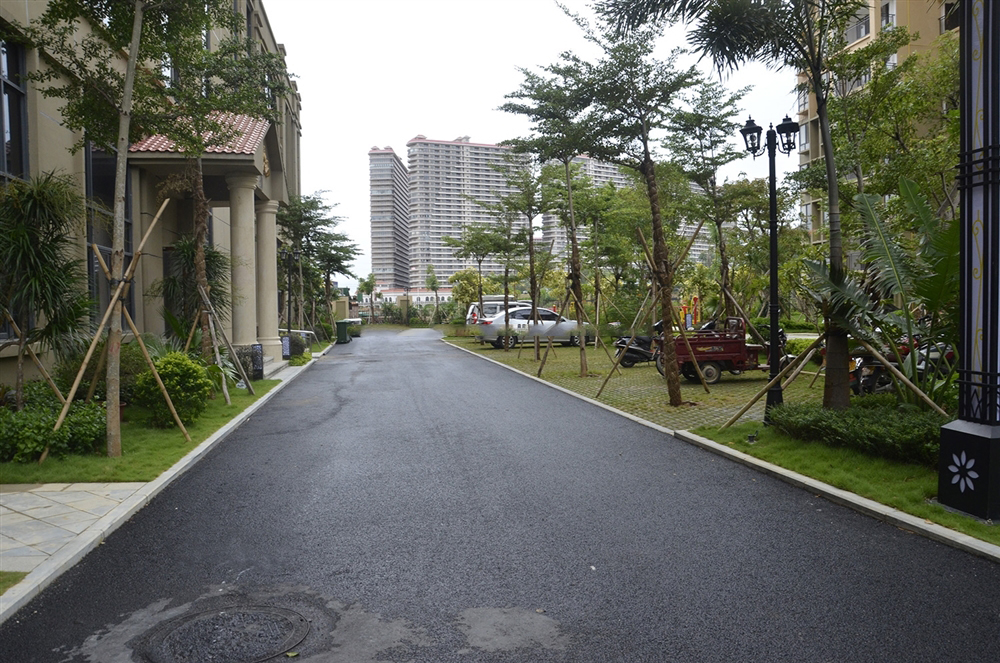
(13, 114)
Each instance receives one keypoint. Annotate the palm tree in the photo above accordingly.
(367, 287)
(434, 285)
(800, 34)
(42, 287)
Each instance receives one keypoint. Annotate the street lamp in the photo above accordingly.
(751, 136)
(290, 258)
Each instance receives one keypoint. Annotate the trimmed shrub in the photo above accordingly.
(25, 434)
(797, 346)
(296, 345)
(186, 382)
(132, 363)
(875, 426)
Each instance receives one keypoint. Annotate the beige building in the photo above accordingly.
(928, 18)
(246, 183)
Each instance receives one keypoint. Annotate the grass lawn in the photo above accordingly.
(641, 391)
(10, 578)
(146, 452)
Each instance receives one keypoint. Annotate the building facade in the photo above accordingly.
(448, 181)
(390, 218)
(246, 182)
(927, 18)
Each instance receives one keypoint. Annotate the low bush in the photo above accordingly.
(25, 434)
(296, 345)
(131, 363)
(186, 382)
(797, 346)
(874, 425)
(787, 325)
(354, 331)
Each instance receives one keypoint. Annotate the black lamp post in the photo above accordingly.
(751, 135)
(290, 258)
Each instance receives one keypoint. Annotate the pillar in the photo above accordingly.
(969, 466)
(267, 279)
(244, 258)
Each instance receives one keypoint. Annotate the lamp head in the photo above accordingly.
(786, 132)
(751, 136)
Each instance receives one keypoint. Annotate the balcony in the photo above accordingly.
(859, 30)
(888, 21)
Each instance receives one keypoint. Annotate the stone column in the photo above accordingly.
(244, 282)
(267, 279)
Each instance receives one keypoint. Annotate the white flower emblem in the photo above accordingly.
(963, 471)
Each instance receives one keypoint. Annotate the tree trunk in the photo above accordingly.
(575, 273)
(114, 342)
(836, 389)
(663, 272)
(200, 237)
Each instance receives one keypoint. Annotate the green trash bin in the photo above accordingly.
(342, 335)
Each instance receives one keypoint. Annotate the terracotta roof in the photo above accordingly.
(250, 133)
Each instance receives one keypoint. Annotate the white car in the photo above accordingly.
(521, 328)
(491, 308)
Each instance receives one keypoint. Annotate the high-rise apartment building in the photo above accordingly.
(448, 178)
(927, 18)
(390, 218)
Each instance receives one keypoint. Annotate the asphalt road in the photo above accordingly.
(405, 501)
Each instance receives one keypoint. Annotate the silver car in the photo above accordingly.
(521, 328)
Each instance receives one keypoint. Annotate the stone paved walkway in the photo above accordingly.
(38, 520)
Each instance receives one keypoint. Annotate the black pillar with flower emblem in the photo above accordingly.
(969, 467)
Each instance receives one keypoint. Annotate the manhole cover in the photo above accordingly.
(237, 634)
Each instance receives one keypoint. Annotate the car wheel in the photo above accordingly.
(508, 341)
(711, 371)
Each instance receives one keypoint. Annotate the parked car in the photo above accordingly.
(522, 328)
(491, 308)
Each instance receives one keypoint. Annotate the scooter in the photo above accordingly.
(642, 348)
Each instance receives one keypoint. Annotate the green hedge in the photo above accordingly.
(186, 382)
(875, 425)
(787, 325)
(25, 434)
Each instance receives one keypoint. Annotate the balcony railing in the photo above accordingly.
(888, 20)
(859, 30)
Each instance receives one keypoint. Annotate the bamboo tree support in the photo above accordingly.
(618, 359)
(145, 351)
(687, 344)
(902, 378)
(232, 350)
(798, 370)
(101, 361)
(753, 330)
(107, 315)
(792, 364)
(194, 326)
(545, 357)
(597, 336)
(218, 359)
(35, 359)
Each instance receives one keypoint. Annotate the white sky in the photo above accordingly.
(379, 72)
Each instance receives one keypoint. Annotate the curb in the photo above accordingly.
(860, 504)
(45, 573)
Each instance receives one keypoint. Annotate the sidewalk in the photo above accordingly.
(46, 529)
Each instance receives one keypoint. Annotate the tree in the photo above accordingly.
(432, 283)
(701, 142)
(800, 34)
(557, 106)
(476, 243)
(633, 94)
(368, 286)
(42, 287)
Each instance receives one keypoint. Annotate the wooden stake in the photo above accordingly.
(101, 361)
(798, 370)
(687, 344)
(145, 353)
(902, 378)
(232, 350)
(795, 362)
(218, 359)
(36, 360)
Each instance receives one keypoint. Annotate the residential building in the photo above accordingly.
(450, 180)
(390, 218)
(927, 18)
(246, 181)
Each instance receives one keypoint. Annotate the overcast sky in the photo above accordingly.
(379, 72)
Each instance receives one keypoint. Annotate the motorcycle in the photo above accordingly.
(642, 348)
